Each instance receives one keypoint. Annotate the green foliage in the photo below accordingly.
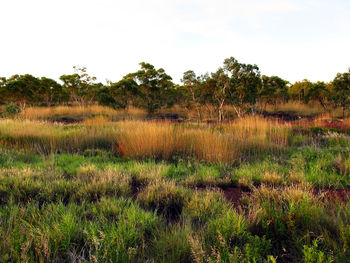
(341, 89)
(10, 110)
(155, 87)
(235, 84)
(80, 86)
(273, 90)
(312, 254)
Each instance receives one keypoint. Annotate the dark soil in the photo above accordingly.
(233, 195)
(341, 195)
(286, 115)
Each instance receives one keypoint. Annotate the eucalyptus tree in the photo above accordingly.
(244, 85)
(50, 92)
(123, 92)
(191, 92)
(80, 86)
(155, 87)
(272, 90)
(341, 89)
(3, 81)
(22, 89)
(320, 92)
(300, 90)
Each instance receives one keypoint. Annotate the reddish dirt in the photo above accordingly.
(342, 195)
(233, 195)
(336, 124)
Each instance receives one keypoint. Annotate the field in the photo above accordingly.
(99, 185)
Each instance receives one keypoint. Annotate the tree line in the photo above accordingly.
(236, 84)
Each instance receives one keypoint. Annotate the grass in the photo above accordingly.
(298, 108)
(147, 191)
(65, 207)
(160, 140)
(79, 113)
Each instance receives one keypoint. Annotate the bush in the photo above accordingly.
(314, 255)
(10, 110)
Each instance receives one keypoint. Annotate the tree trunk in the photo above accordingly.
(221, 110)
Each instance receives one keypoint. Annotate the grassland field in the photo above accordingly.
(98, 185)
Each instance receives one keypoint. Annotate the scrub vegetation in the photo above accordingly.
(253, 190)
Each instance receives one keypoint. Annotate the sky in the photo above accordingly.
(293, 39)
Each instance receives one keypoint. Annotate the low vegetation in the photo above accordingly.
(105, 188)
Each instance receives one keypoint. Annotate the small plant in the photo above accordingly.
(312, 254)
(11, 110)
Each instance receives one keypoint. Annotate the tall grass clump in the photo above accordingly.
(164, 197)
(255, 131)
(291, 217)
(80, 113)
(111, 230)
(298, 108)
(43, 137)
(227, 143)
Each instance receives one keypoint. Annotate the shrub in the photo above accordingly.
(10, 110)
(312, 254)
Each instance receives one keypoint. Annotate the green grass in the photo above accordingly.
(76, 207)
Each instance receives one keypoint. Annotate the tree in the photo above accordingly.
(300, 90)
(3, 82)
(155, 87)
(22, 89)
(341, 88)
(235, 84)
(80, 86)
(104, 97)
(273, 89)
(192, 91)
(220, 83)
(320, 92)
(123, 92)
(50, 91)
(244, 84)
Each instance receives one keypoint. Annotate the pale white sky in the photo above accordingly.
(294, 39)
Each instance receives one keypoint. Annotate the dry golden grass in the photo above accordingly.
(43, 113)
(165, 140)
(81, 113)
(298, 107)
(257, 129)
(221, 144)
(45, 137)
(140, 139)
(272, 178)
(99, 120)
